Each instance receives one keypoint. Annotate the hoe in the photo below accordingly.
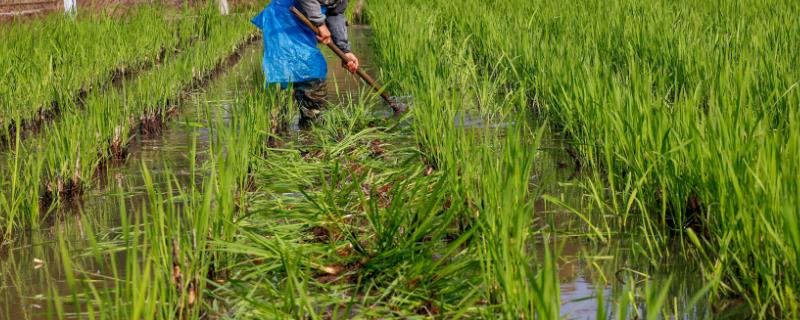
(394, 102)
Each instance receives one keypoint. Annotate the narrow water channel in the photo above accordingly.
(33, 267)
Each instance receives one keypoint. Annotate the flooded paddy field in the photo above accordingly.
(178, 153)
(484, 201)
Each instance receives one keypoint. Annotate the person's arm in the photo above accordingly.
(313, 11)
(337, 24)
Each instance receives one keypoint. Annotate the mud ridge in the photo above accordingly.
(49, 113)
(150, 123)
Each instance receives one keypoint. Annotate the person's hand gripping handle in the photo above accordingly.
(324, 35)
(351, 63)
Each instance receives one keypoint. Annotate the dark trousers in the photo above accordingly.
(310, 97)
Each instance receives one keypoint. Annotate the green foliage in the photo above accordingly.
(685, 111)
(62, 160)
(47, 62)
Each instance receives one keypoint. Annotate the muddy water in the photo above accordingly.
(33, 267)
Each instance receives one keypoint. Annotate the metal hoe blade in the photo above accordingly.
(400, 105)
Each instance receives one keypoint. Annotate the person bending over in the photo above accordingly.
(291, 56)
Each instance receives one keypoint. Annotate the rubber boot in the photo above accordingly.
(310, 97)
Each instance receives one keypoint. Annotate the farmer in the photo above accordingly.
(291, 56)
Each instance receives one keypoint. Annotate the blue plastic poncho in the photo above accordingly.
(290, 47)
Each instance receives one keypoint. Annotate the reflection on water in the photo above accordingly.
(613, 270)
(34, 266)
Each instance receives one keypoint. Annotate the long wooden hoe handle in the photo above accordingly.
(374, 84)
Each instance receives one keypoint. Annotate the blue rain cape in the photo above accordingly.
(290, 47)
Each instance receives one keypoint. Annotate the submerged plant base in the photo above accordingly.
(65, 190)
(45, 115)
(150, 125)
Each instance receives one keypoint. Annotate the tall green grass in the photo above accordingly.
(684, 112)
(359, 216)
(159, 262)
(61, 163)
(48, 62)
(488, 172)
(344, 221)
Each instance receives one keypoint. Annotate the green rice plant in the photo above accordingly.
(356, 217)
(156, 276)
(17, 207)
(505, 220)
(63, 161)
(489, 170)
(682, 110)
(368, 218)
(159, 262)
(52, 62)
